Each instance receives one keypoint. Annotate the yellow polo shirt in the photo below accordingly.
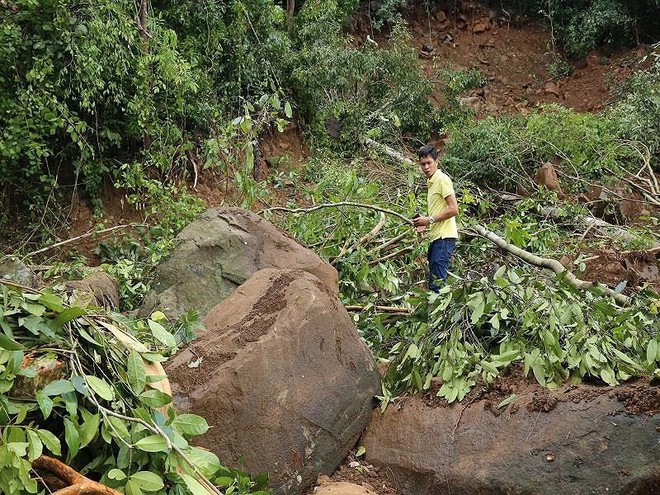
(439, 187)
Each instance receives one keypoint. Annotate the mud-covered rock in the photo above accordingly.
(217, 253)
(99, 289)
(578, 441)
(281, 376)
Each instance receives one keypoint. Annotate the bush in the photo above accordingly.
(346, 92)
(505, 152)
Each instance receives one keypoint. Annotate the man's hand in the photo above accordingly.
(421, 223)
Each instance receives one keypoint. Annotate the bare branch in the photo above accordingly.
(548, 263)
(338, 205)
(83, 236)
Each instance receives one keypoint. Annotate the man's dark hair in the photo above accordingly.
(427, 151)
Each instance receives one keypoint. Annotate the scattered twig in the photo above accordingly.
(88, 234)
(337, 205)
(383, 309)
(371, 234)
(401, 251)
(390, 243)
(549, 263)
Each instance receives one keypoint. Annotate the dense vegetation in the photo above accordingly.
(145, 98)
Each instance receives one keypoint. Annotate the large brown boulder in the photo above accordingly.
(573, 441)
(282, 377)
(217, 253)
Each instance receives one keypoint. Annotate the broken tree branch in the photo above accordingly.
(548, 263)
(336, 205)
(388, 151)
(78, 484)
(369, 235)
(83, 236)
(401, 251)
(382, 309)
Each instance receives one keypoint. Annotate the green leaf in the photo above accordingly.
(608, 376)
(154, 357)
(132, 488)
(162, 335)
(69, 314)
(71, 438)
(190, 424)
(360, 451)
(35, 446)
(137, 376)
(207, 462)
(9, 344)
(652, 351)
(45, 404)
(288, 111)
(155, 398)
(195, 487)
(51, 442)
(507, 401)
(152, 443)
(58, 387)
(100, 386)
(116, 474)
(119, 429)
(89, 429)
(51, 300)
(147, 481)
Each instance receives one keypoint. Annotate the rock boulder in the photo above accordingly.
(218, 252)
(282, 377)
(571, 441)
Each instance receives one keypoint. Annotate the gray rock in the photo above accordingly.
(15, 270)
(217, 253)
(281, 376)
(585, 444)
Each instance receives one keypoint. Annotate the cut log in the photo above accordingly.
(78, 484)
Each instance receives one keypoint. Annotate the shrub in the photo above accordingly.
(356, 90)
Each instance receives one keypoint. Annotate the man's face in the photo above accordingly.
(428, 165)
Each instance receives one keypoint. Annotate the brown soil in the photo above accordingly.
(515, 57)
(636, 268)
(360, 473)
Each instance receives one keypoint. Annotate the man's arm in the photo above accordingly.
(450, 211)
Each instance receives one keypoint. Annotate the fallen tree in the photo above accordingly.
(548, 263)
(77, 380)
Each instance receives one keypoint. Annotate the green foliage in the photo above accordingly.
(86, 94)
(637, 114)
(131, 264)
(350, 92)
(580, 27)
(77, 87)
(585, 27)
(474, 330)
(387, 13)
(558, 67)
(458, 82)
(506, 151)
(97, 409)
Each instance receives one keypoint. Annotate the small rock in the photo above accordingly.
(480, 27)
(551, 88)
(473, 102)
(441, 16)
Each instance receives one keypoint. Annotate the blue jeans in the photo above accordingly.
(439, 255)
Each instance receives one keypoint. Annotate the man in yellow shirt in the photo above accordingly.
(441, 219)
